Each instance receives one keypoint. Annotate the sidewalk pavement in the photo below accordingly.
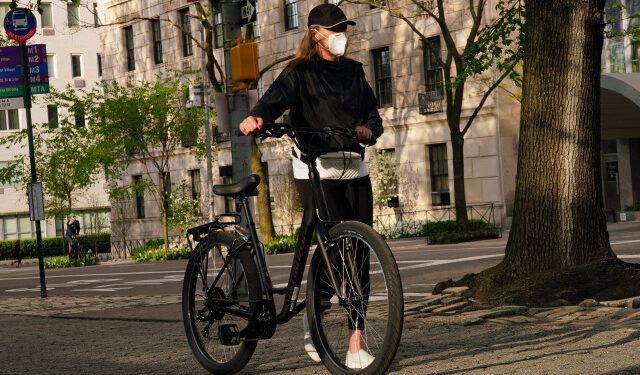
(145, 335)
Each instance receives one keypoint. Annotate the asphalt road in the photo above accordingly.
(421, 266)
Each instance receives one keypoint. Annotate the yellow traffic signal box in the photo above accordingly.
(244, 62)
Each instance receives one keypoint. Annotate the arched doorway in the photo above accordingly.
(620, 119)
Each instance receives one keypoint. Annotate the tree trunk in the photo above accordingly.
(163, 211)
(457, 146)
(558, 217)
(264, 206)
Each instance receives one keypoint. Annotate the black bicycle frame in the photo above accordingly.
(290, 307)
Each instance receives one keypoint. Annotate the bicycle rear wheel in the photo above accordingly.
(374, 303)
(211, 332)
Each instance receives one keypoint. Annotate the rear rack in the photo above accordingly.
(216, 224)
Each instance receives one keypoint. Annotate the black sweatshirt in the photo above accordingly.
(321, 93)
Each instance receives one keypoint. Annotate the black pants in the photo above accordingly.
(346, 200)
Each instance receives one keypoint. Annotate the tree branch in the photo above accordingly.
(485, 96)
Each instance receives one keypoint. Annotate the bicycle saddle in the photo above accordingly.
(246, 187)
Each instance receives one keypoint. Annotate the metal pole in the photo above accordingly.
(207, 127)
(32, 159)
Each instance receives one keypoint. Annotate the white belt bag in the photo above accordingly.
(340, 165)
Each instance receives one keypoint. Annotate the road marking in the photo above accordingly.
(623, 242)
(94, 274)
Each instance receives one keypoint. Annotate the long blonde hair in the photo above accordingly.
(308, 48)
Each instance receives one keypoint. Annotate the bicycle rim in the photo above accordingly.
(374, 309)
(235, 288)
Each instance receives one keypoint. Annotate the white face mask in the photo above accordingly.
(337, 43)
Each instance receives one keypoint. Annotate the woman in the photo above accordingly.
(323, 88)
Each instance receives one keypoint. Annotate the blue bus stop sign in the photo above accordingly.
(20, 24)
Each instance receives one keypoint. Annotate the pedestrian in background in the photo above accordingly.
(17, 255)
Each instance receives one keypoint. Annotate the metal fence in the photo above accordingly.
(121, 249)
(410, 223)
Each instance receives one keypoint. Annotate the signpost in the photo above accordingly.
(248, 12)
(20, 25)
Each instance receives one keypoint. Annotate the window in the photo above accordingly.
(72, 15)
(226, 174)
(78, 115)
(382, 66)
(167, 192)
(290, 14)
(15, 180)
(139, 190)
(96, 19)
(218, 30)
(99, 56)
(196, 187)
(46, 18)
(635, 56)
(9, 120)
(185, 22)
(433, 69)
(94, 222)
(14, 227)
(52, 116)
(616, 55)
(256, 25)
(157, 41)
(439, 175)
(51, 65)
(128, 37)
(76, 66)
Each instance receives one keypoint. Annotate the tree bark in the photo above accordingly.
(558, 217)
(457, 146)
(264, 206)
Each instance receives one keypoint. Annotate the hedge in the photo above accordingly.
(444, 232)
(158, 254)
(64, 262)
(53, 246)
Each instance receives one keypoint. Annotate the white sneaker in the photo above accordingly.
(360, 359)
(308, 341)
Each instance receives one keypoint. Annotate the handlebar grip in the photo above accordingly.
(239, 133)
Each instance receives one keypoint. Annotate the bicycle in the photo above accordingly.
(228, 296)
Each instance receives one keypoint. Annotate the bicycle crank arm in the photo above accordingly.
(232, 311)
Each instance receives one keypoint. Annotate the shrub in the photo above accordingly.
(54, 246)
(634, 207)
(64, 262)
(159, 254)
(281, 244)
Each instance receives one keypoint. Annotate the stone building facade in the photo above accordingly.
(73, 50)
(396, 66)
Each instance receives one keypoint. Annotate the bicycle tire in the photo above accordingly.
(236, 357)
(382, 324)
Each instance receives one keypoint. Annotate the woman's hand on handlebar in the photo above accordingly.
(251, 124)
(364, 134)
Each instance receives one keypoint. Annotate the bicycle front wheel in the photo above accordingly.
(211, 330)
(372, 307)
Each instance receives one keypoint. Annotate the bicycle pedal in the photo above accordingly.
(229, 334)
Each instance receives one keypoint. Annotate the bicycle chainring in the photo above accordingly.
(265, 322)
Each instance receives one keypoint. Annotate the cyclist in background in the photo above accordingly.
(73, 230)
(322, 87)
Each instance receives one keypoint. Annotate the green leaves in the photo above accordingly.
(498, 44)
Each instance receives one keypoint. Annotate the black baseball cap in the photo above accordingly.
(327, 16)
